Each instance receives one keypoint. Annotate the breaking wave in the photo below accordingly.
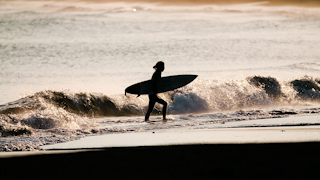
(62, 109)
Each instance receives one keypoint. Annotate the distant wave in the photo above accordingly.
(86, 6)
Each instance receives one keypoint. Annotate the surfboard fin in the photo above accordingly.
(138, 95)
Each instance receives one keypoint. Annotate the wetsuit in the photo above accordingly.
(153, 98)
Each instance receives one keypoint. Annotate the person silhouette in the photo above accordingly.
(153, 97)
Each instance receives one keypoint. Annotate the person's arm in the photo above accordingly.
(155, 79)
(154, 85)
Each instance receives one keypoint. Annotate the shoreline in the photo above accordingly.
(286, 152)
(183, 136)
(292, 129)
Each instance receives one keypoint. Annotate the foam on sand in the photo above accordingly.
(196, 136)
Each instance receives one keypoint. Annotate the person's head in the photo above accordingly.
(159, 66)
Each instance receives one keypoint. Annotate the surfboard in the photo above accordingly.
(165, 84)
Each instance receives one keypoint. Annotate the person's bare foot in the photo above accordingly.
(166, 119)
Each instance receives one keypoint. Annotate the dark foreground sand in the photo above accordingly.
(222, 161)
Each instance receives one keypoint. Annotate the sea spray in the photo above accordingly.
(57, 116)
(212, 95)
(199, 96)
(308, 88)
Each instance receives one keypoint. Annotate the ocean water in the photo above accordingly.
(65, 65)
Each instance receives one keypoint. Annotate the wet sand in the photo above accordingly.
(193, 157)
(186, 136)
(209, 161)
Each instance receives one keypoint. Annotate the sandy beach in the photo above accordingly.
(275, 130)
(228, 153)
(195, 136)
(207, 161)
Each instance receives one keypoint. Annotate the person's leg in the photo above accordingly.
(150, 107)
(164, 109)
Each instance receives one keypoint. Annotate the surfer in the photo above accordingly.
(153, 97)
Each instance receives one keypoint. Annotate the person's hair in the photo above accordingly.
(159, 65)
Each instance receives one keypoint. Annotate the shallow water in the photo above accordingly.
(65, 65)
